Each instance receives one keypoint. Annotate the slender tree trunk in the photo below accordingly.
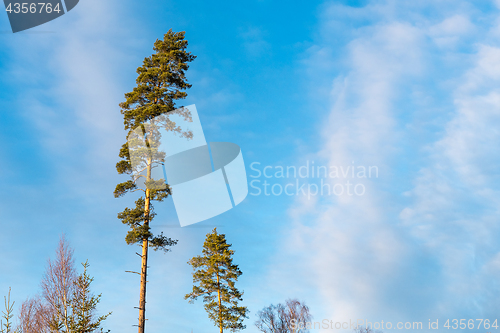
(144, 266)
(66, 313)
(220, 305)
(142, 300)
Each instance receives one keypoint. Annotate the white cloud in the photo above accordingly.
(455, 25)
(455, 198)
(350, 252)
(403, 255)
(448, 32)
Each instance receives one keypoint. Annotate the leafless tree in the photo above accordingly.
(290, 317)
(57, 287)
(34, 316)
(363, 329)
(66, 303)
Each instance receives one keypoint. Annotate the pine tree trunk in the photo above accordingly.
(220, 305)
(142, 300)
(144, 266)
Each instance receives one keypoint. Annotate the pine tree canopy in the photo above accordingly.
(214, 278)
(160, 82)
(83, 305)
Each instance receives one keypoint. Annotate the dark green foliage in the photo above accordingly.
(83, 306)
(214, 278)
(160, 82)
(124, 187)
(161, 242)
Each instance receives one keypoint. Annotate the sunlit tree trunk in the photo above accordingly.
(144, 256)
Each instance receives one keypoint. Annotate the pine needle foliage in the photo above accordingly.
(84, 304)
(7, 315)
(214, 278)
(161, 81)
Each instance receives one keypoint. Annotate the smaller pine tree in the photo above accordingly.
(7, 315)
(83, 305)
(216, 275)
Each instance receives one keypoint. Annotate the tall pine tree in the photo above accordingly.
(216, 275)
(161, 81)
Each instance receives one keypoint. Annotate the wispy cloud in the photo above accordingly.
(254, 42)
(455, 209)
(403, 255)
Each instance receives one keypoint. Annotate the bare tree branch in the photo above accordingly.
(284, 318)
(57, 285)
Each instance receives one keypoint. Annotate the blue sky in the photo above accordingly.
(408, 87)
